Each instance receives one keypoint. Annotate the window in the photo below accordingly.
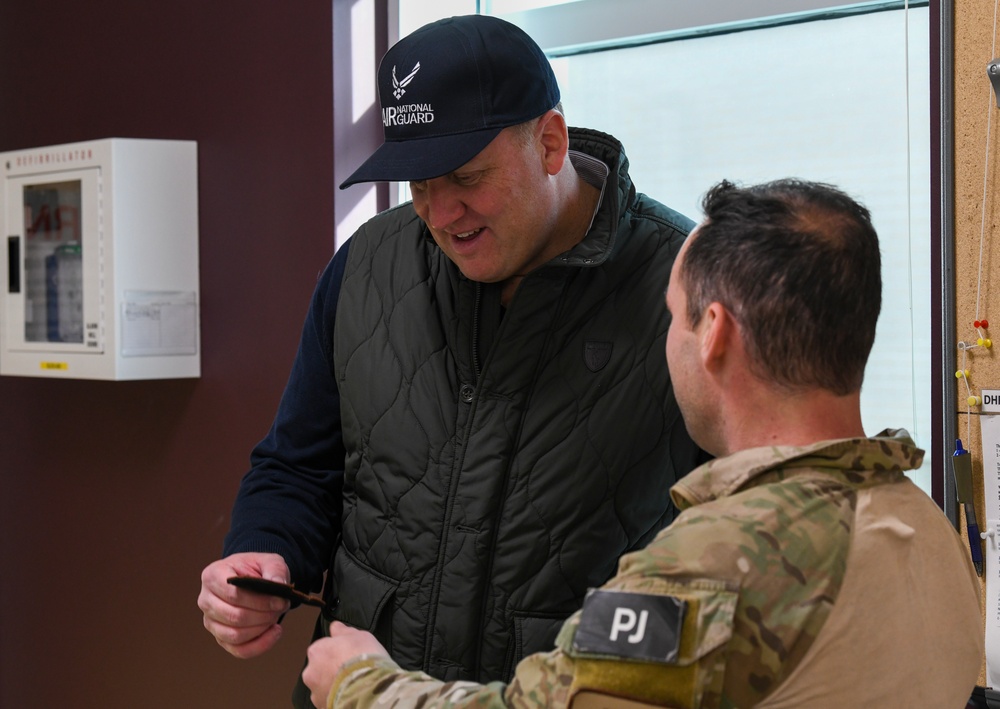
(750, 91)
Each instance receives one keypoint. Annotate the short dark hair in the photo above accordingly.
(525, 132)
(797, 264)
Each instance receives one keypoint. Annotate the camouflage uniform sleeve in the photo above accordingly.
(600, 670)
(542, 680)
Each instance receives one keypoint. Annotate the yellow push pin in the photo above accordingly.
(975, 401)
(988, 342)
(980, 342)
(959, 374)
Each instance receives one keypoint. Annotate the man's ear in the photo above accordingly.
(553, 138)
(717, 331)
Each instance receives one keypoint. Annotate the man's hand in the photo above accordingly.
(327, 656)
(243, 622)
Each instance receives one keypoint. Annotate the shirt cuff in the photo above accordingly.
(357, 668)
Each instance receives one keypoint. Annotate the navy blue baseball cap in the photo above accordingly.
(448, 89)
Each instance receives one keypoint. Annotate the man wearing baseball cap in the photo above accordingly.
(477, 424)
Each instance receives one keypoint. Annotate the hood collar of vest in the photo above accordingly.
(599, 243)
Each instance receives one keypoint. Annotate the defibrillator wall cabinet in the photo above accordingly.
(100, 260)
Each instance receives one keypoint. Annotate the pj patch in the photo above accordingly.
(636, 626)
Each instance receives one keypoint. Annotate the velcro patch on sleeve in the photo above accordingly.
(635, 626)
(599, 700)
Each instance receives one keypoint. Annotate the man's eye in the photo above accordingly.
(467, 179)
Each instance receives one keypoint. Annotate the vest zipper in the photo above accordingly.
(475, 331)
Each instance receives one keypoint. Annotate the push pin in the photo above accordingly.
(962, 373)
(985, 342)
(975, 401)
(991, 527)
(981, 324)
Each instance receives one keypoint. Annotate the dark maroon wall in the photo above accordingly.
(113, 496)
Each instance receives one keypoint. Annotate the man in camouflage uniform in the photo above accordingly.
(806, 570)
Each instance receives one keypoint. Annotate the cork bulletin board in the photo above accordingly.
(976, 229)
(977, 232)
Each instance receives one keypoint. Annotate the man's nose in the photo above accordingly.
(444, 207)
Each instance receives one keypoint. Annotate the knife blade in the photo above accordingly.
(276, 588)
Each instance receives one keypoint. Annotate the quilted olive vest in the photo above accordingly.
(499, 462)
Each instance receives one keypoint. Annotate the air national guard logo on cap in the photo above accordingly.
(636, 626)
(406, 113)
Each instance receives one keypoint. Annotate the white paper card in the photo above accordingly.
(159, 323)
(990, 426)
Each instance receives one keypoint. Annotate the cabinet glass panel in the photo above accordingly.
(53, 262)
